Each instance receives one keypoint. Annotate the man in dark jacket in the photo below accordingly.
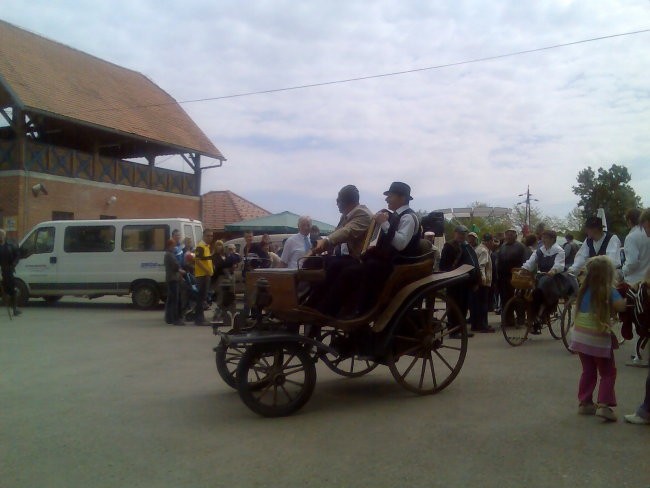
(454, 254)
(9, 258)
(512, 254)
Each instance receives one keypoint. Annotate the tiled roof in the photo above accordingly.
(225, 207)
(49, 78)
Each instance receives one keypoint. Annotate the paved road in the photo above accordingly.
(95, 394)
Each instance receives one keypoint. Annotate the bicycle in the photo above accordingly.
(517, 318)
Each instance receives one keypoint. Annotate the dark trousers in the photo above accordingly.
(375, 274)
(172, 303)
(506, 291)
(203, 282)
(342, 279)
(549, 290)
(478, 307)
(460, 295)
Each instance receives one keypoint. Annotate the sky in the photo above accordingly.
(472, 132)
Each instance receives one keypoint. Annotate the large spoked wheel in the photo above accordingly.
(515, 321)
(275, 380)
(227, 359)
(567, 323)
(429, 344)
(348, 363)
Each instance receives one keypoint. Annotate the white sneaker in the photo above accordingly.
(633, 418)
(637, 362)
(606, 413)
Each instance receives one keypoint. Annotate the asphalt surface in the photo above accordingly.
(97, 394)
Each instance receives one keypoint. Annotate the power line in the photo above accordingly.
(385, 75)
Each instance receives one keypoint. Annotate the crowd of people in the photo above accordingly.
(356, 273)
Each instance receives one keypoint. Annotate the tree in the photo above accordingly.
(574, 221)
(610, 190)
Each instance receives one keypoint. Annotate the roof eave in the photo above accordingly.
(112, 130)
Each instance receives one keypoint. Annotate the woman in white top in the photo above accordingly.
(548, 259)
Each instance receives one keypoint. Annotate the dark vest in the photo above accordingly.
(412, 248)
(544, 263)
(603, 246)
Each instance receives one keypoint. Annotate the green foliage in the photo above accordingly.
(610, 190)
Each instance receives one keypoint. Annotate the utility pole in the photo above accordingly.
(528, 195)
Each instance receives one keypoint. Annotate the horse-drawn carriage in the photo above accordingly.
(271, 357)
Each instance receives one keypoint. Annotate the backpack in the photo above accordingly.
(637, 312)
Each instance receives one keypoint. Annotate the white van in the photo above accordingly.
(99, 257)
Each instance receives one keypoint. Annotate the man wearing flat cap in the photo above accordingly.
(598, 243)
(454, 254)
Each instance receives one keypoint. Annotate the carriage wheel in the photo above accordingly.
(423, 357)
(515, 320)
(227, 359)
(348, 364)
(567, 322)
(275, 380)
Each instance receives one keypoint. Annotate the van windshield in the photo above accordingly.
(39, 241)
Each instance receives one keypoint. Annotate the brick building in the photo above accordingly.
(225, 207)
(79, 138)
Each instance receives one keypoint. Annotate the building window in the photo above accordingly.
(144, 237)
(89, 238)
(107, 217)
(56, 215)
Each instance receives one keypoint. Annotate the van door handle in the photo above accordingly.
(53, 260)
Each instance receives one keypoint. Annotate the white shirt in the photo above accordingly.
(613, 252)
(293, 250)
(405, 229)
(637, 255)
(555, 249)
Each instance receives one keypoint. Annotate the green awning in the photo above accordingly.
(281, 223)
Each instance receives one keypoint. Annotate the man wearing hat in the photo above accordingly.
(399, 235)
(454, 254)
(512, 254)
(598, 243)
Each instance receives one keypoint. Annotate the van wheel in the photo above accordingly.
(22, 294)
(145, 296)
(52, 298)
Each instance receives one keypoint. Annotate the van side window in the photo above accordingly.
(187, 232)
(139, 238)
(40, 241)
(90, 238)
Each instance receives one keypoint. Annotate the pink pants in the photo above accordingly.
(591, 368)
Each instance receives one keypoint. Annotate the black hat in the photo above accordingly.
(461, 229)
(594, 223)
(487, 237)
(400, 188)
